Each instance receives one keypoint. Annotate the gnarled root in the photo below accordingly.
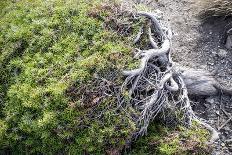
(157, 85)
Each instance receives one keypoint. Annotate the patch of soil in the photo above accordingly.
(198, 44)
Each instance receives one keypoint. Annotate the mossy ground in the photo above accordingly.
(50, 52)
(172, 141)
(47, 47)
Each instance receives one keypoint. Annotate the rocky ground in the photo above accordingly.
(199, 44)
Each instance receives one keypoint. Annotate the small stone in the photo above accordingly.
(229, 42)
(227, 128)
(230, 72)
(210, 63)
(222, 53)
(214, 53)
(210, 100)
(223, 144)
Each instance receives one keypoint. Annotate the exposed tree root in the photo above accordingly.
(201, 82)
(159, 84)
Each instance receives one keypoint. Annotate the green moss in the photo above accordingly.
(170, 148)
(4, 3)
(46, 47)
(170, 141)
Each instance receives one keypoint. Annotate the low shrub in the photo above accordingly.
(48, 47)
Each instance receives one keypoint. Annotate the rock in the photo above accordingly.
(230, 72)
(227, 128)
(229, 42)
(210, 100)
(222, 53)
(229, 144)
(214, 53)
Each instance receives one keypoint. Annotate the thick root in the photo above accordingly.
(201, 82)
(158, 82)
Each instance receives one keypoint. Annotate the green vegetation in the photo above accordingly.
(47, 47)
(50, 54)
(4, 3)
(172, 141)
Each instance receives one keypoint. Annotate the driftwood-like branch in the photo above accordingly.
(155, 22)
(201, 82)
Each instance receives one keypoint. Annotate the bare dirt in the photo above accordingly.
(199, 44)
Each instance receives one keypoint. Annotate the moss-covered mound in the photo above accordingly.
(48, 48)
(60, 65)
(172, 141)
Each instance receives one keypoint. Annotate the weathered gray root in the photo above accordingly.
(150, 87)
(202, 83)
(193, 117)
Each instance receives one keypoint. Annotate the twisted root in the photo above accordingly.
(151, 85)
